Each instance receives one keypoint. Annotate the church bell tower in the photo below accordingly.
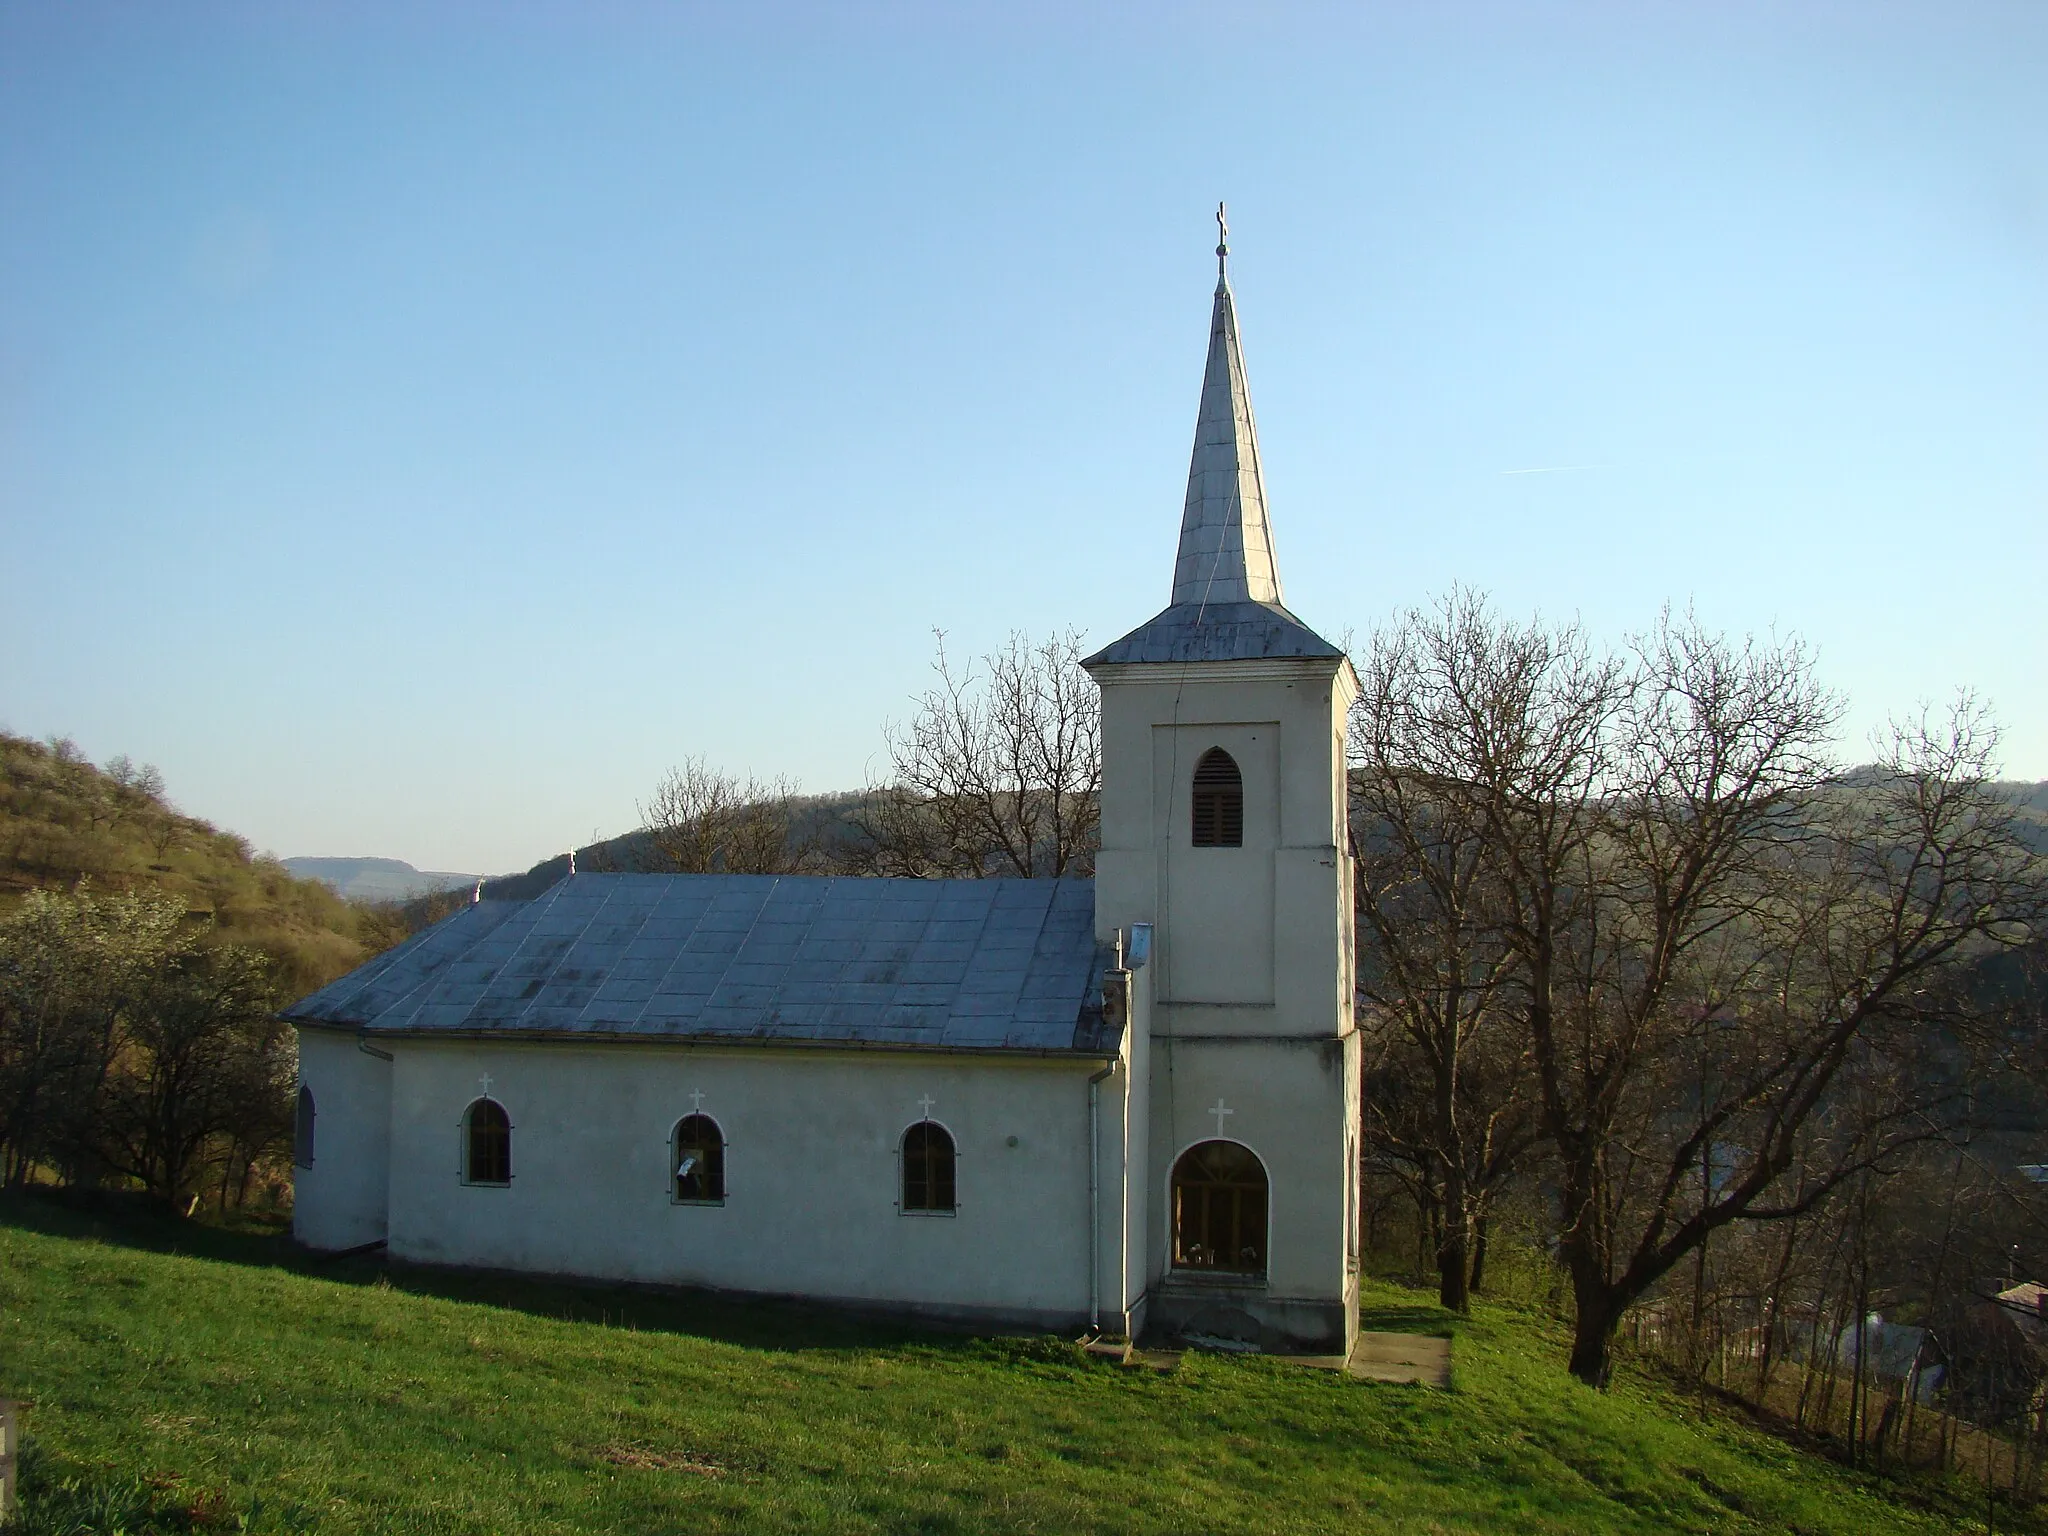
(1223, 827)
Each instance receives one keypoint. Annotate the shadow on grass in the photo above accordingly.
(1421, 1317)
(130, 1221)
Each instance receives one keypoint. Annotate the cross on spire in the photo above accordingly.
(1222, 246)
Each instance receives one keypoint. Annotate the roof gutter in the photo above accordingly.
(757, 1042)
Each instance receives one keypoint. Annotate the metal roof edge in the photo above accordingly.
(1104, 1052)
(1250, 669)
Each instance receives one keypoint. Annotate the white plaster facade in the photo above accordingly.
(811, 1178)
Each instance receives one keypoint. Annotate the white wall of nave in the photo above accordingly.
(340, 1200)
(811, 1171)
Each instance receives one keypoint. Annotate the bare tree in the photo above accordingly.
(1730, 989)
(997, 772)
(704, 821)
(1456, 710)
(1736, 979)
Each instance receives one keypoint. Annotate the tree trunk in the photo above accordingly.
(1479, 1255)
(1767, 1341)
(1593, 1327)
(1453, 1252)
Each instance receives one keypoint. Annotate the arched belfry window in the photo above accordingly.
(697, 1161)
(1219, 1209)
(1219, 801)
(486, 1144)
(928, 1168)
(302, 1129)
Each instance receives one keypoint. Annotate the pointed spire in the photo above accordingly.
(1226, 545)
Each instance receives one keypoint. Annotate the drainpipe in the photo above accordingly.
(1116, 1011)
(363, 1045)
(1095, 1198)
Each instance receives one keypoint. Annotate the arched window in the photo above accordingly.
(697, 1161)
(302, 1129)
(927, 1167)
(1219, 1209)
(1219, 801)
(487, 1139)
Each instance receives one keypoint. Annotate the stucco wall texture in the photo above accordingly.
(811, 1171)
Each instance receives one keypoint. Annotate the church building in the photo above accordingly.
(1127, 1103)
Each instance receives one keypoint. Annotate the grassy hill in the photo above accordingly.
(64, 821)
(181, 1378)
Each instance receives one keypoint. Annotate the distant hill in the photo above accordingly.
(377, 879)
(820, 820)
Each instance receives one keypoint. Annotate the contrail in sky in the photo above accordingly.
(1553, 469)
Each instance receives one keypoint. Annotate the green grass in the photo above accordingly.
(182, 1378)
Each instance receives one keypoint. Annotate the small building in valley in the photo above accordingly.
(1129, 1102)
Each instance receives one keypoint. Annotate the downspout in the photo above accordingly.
(1095, 1198)
(1116, 1011)
(363, 1045)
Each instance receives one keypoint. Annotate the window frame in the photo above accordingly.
(468, 1123)
(305, 1115)
(903, 1205)
(675, 1148)
(1223, 799)
(1213, 1272)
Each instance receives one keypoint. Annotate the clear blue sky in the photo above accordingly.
(422, 424)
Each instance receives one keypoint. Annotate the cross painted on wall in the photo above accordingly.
(485, 1080)
(925, 1104)
(1219, 1110)
(697, 1100)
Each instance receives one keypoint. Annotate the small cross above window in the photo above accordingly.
(1219, 1110)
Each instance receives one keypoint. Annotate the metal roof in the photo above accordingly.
(943, 964)
(1217, 632)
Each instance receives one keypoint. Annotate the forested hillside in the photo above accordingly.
(66, 824)
(143, 957)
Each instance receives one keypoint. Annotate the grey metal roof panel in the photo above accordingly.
(958, 964)
(1242, 631)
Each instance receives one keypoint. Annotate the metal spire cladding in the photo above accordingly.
(1226, 543)
(1226, 586)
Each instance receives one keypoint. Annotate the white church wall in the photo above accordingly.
(1312, 935)
(1222, 895)
(811, 1172)
(1293, 1104)
(339, 1201)
(1253, 939)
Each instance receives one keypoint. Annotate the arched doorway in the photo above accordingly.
(1219, 1209)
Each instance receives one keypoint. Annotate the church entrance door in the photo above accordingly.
(1219, 1209)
